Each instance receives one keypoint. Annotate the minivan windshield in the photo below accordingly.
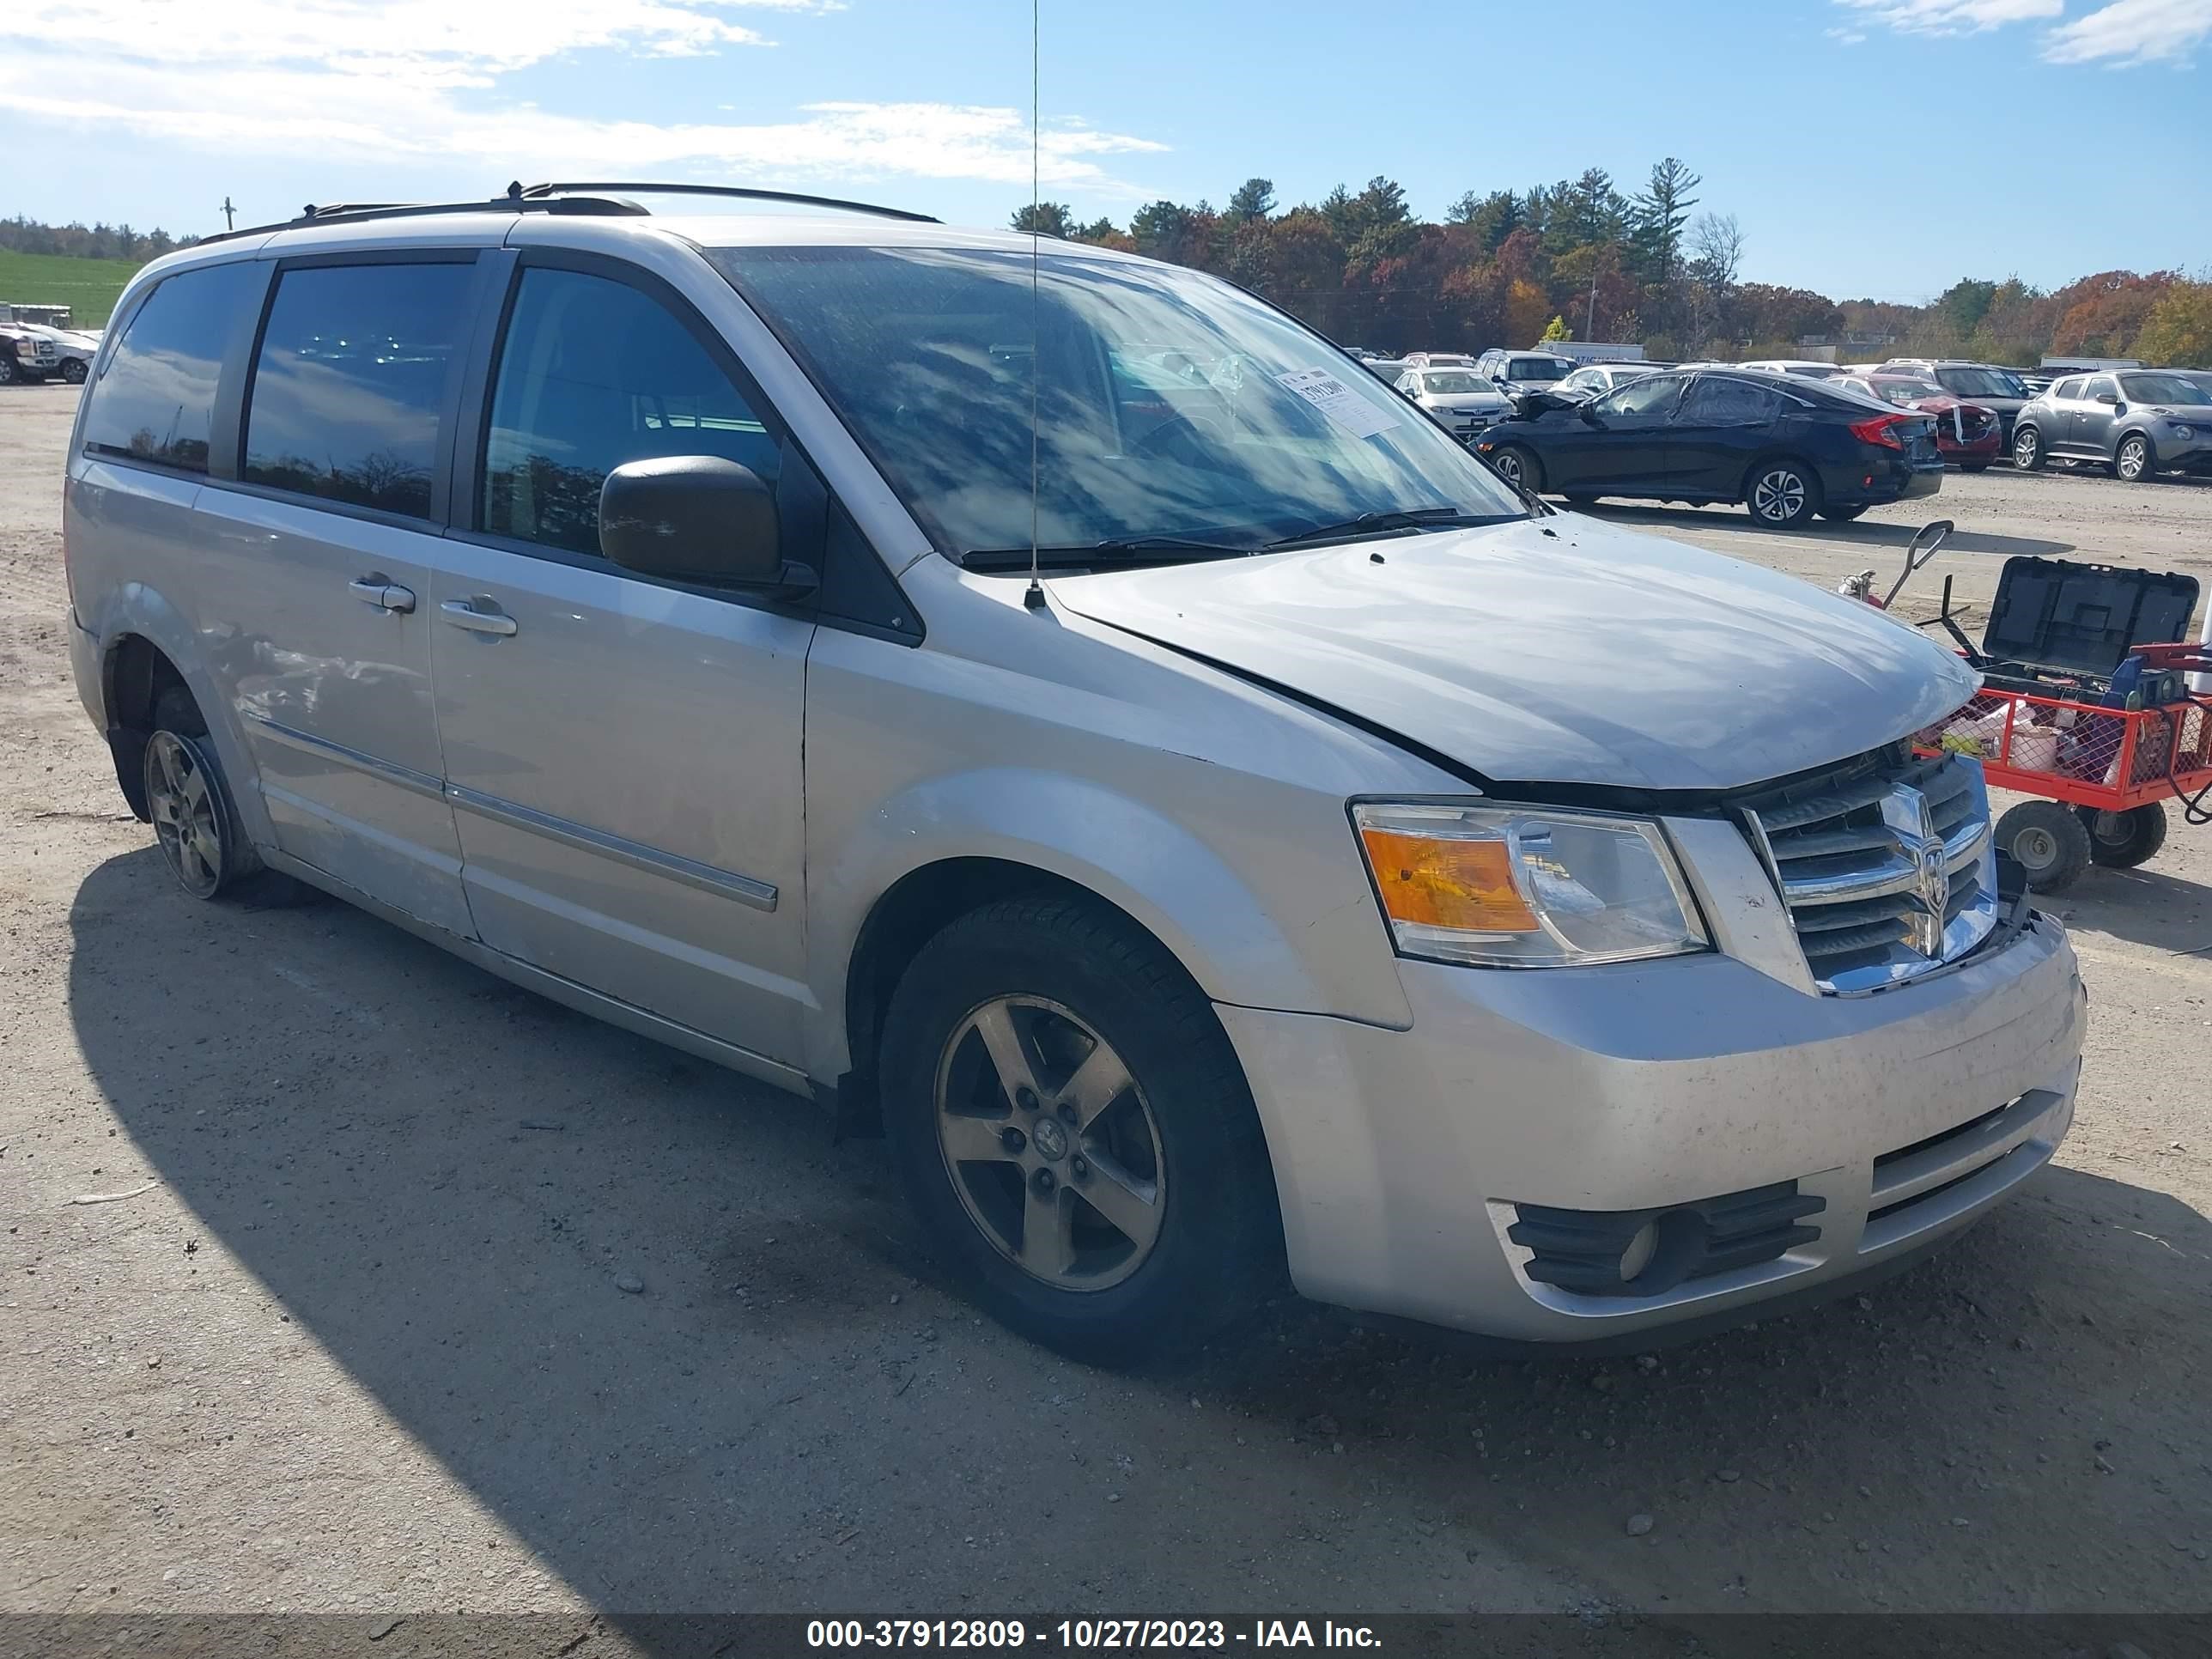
(1980, 383)
(1168, 406)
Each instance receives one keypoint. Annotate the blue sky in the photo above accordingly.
(1866, 146)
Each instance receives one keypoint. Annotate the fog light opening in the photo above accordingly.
(1663, 1251)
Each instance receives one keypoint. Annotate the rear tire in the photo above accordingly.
(1519, 467)
(2051, 843)
(1842, 514)
(2121, 840)
(1782, 495)
(195, 825)
(2027, 450)
(2135, 462)
(995, 1017)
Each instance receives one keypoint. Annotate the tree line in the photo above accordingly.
(101, 241)
(1583, 260)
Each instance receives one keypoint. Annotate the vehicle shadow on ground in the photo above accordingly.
(2146, 905)
(1862, 534)
(447, 1176)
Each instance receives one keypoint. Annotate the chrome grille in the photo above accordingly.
(1887, 866)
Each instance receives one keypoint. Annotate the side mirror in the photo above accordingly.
(2108, 397)
(698, 519)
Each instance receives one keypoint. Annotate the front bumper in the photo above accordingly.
(1401, 1155)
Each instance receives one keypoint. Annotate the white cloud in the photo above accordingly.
(1953, 16)
(417, 81)
(1845, 37)
(2130, 32)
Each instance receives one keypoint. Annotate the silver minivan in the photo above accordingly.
(1057, 708)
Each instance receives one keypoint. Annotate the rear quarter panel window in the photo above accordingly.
(350, 380)
(156, 399)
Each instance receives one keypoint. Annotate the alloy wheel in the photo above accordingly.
(1053, 1149)
(1508, 467)
(1779, 496)
(2023, 450)
(2134, 459)
(187, 814)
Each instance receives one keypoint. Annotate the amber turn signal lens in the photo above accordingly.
(1437, 883)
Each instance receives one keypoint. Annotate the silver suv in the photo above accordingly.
(1325, 861)
(2136, 424)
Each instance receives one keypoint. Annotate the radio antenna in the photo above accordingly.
(1033, 597)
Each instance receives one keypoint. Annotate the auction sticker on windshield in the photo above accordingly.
(1347, 408)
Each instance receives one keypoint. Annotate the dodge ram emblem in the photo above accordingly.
(1905, 813)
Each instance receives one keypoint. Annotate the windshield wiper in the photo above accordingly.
(1385, 523)
(1114, 550)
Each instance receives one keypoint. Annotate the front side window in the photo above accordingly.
(935, 358)
(1714, 401)
(594, 373)
(351, 381)
(1648, 394)
(156, 400)
(2102, 386)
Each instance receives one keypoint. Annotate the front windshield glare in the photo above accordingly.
(1456, 380)
(1980, 383)
(1168, 404)
(2163, 389)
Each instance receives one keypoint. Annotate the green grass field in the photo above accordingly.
(89, 287)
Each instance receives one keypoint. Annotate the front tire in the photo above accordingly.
(1782, 495)
(2051, 843)
(1076, 1133)
(73, 372)
(9, 374)
(2121, 840)
(2027, 450)
(2135, 462)
(1519, 468)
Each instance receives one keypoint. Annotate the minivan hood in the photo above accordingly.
(1564, 651)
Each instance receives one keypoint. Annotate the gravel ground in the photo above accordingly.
(342, 1331)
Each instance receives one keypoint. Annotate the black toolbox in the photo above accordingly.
(2054, 620)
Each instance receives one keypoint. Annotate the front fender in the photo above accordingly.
(1191, 900)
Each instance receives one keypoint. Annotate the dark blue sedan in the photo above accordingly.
(1784, 446)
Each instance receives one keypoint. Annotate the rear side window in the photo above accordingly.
(1728, 403)
(594, 373)
(2067, 389)
(350, 380)
(155, 401)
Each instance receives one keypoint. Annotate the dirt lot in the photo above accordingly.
(347, 1335)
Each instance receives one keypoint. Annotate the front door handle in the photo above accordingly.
(463, 613)
(385, 596)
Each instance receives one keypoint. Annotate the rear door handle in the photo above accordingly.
(385, 596)
(463, 613)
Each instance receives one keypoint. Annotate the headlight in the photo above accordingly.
(1526, 886)
(2181, 431)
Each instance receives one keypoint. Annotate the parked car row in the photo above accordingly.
(33, 351)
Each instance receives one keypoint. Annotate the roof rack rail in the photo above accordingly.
(539, 193)
(581, 199)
